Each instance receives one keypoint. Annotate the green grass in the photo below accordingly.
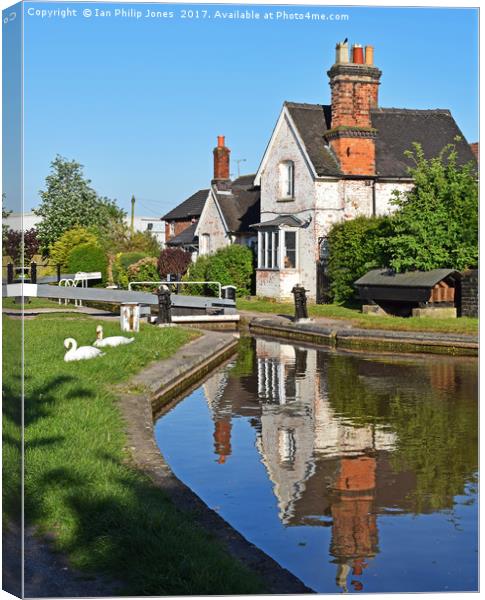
(80, 483)
(357, 319)
(36, 303)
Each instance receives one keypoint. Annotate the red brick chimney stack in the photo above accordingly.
(354, 93)
(221, 160)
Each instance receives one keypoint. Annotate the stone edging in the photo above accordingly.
(368, 339)
(141, 398)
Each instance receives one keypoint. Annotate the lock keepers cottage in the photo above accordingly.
(327, 163)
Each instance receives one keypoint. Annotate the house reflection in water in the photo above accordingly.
(327, 469)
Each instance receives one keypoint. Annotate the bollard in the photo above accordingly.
(33, 272)
(130, 316)
(9, 273)
(229, 292)
(58, 268)
(301, 310)
(164, 306)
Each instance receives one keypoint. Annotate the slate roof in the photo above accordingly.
(241, 207)
(192, 207)
(397, 129)
(412, 279)
(184, 238)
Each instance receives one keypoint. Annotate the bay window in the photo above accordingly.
(277, 249)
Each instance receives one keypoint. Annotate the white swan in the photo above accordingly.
(114, 340)
(81, 353)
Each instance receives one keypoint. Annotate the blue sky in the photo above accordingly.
(139, 102)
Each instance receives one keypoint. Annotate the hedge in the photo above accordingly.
(87, 257)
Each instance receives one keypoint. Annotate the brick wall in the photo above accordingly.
(179, 227)
(469, 293)
(356, 155)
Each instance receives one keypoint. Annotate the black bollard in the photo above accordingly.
(164, 306)
(33, 272)
(58, 268)
(301, 310)
(9, 273)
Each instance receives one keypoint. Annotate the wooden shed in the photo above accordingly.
(403, 293)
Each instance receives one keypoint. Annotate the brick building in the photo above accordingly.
(327, 163)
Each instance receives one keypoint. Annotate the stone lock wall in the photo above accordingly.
(469, 293)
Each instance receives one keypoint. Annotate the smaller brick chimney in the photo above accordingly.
(221, 160)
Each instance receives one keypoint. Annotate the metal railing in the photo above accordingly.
(159, 283)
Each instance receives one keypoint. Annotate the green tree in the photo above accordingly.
(232, 265)
(355, 248)
(436, 223)
(69, 201)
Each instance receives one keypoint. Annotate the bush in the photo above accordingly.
(198, 272)
(173, 261)
(232, 265)
(144, 270)
(60, 250)
(355, 247)
(87, 257)
(121, 263)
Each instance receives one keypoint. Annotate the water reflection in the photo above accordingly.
(344, 439)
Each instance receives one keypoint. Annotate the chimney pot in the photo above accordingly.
(369, 55)
(220, 141)
(357, 54)
(342, 53)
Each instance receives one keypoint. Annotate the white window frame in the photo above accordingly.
(287, 180)
(269, 251)
(275, 262)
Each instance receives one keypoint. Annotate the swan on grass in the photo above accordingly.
(81, 353)
(114, 340)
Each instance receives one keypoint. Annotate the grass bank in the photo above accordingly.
(80, 483)
(36, 303)
(465, 325)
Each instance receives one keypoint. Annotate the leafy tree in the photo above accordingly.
(197, 271)
(68, 240)
(13, 244)
(173, 261)
(117, 237)
(145, 269)
(31, 244)
(436, 223)
(69, 201)
(355, 248)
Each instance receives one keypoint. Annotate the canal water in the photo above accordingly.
(357, 473)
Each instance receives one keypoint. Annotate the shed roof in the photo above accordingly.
(411, 279)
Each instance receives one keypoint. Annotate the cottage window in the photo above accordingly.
(205, 243)
(287, 180)
(289, 258)
(171, 229)
(268, 250)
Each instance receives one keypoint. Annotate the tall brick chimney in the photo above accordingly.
(221, 161)
(354, 85)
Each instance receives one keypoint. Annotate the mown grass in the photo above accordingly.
(357, 319)
(80, 483)
(36, 303)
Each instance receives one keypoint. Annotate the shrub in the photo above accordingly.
(144, 270)
(355, 247)
(173, 261)
(232, 265)
(198, 272)
(60, 250)
(87, 257)
(121, 263)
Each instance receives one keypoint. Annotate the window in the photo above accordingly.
(289, 258)
(149, 226)
(171, 229)
(268, 250)
(287, 180)
(205, 243)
